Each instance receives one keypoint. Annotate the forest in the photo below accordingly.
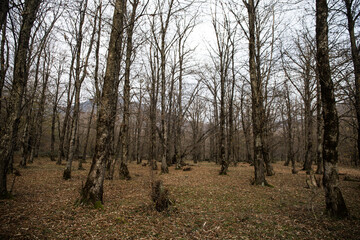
(179, 119)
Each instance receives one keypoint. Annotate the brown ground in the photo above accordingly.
(207, 206)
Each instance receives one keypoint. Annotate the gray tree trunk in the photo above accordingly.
(92, 192)
(36, 130)
(4, 8)
(153, 102)
(78, 82)
(65, 125)
(9, 137)
(246, 125)
(319, 129)
(139, 123)
(335, 204)
(179, 120)
(290, 139)
(28, 134)
(84, 154)
(54, 114)
(257, 101)
(4, 62)
(308, 118)
(124, 171)
(355, 54)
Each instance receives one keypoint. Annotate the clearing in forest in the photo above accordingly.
(206, 206)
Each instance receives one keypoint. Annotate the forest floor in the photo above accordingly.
(207, 206)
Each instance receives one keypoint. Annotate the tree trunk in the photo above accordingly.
(153, 102)
(139, 123)
(54, 114)
(290, 139)
(124, 172)
(3, 64)
(78, 82)
(27, 137)
(83, 158)
(179, 119)
(335, 204)
(319, 129)
(65, 125)
(92, 192)
(9, 137)
(257, 101)
(163, 54)
(4, 8)
(245, 122)
(224, 162)
(169, 119)
(164, 167)
(308, 118)
(36, 130)
(231, 153)
(355, 50)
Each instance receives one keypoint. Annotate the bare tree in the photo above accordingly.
(56, 99)
(289, 129)
(79, 79)
(91, 116)
(319, 128)
(353, 14)
(258, 112)
(222, 61)
(164, 26)
(303, 80)
(9, 136)
(154, 92)
(246, 124)
(335, 204)
(92, 191)
(139, 124)
(123, 171)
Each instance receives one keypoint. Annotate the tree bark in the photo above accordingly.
(4, 64)
(246, 125)
(83, 158)
(257, 101)
(153, 102)
(124, 172)
(356, 62)
(36, 130)
(4, 8)
(179, 119)
(319, 129)
(290, 140)
(308, 118)
(28, 134)
(139, 123)
(9, 137)
(163, 53)
(54, 114)
(164, 167)
(224, 162)
(78, 82)
(65, 125)
(92, 192)
(335, 204)
(231, 153)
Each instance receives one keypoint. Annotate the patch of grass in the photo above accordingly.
(98, 205)
(120, 220)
